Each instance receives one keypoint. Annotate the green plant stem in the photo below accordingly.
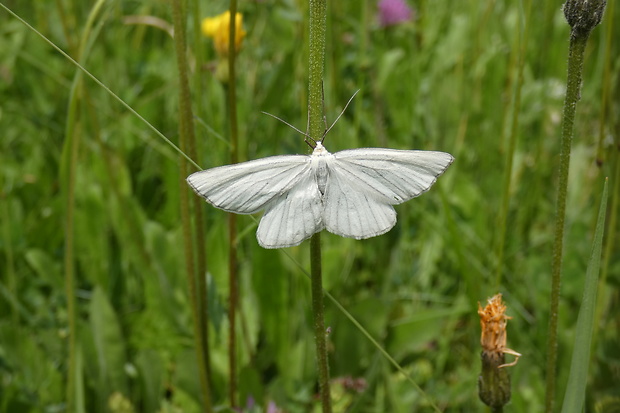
(318, 15)
(186, 133)
(577, 46)
(68, 177)
(232, 307)
(200, 238)
(232, 218)
(512, 143)
(72, 136)
(316, 281)
(318, 18)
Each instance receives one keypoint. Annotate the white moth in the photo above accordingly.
(349, 193)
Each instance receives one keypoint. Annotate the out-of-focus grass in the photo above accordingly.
(574, 398)
(445, 82)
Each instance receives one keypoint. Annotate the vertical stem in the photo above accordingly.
(232, 306)
(573, 85)
(73, 135)
(319, 322)
(318, 16)
(186, 130)
(198, 205)
(232, 218)
(70, 158)
(512, 142)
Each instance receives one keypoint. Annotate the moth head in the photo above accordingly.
(319, 149)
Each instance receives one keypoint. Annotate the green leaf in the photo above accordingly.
(109, 346)
(45, 266)
(578, 377)
(152, 376)
(387, 65)
(415, 331)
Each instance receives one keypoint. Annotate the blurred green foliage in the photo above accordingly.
(445, 81)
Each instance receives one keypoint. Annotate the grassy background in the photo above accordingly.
(445, 82)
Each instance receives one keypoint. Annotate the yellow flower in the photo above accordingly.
(218, 28)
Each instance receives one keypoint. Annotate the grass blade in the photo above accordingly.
(576, 389)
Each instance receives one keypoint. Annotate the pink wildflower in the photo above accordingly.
(393, 12)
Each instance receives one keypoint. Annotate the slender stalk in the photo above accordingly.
(575, 67)
(200, 239)
(186, 132)
(318, 17)
(232, 309)
(582, 16)
(73, 138)
(232, 218)
(68, 177)
(316, 281)
(512, 143)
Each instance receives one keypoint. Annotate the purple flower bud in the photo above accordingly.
(393, 12)
(272, 407)
(250, 403)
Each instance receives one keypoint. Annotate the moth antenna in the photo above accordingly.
(312, 144)
(324, 116)
(306, 136)
(308, 126)
(341, 113)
